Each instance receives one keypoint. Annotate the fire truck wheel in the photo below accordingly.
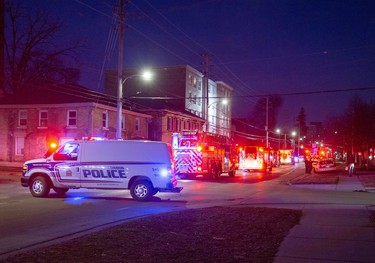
(39, 187)
(232, 173)
(141, 190)
(60, 191)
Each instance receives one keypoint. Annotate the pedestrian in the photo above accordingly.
(214, 169)
(307, 164)
(350, 164)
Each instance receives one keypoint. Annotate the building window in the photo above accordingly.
(169, 124)
(123, 122)
(199, 85)
(20, 145)
(43, 118)
(72, 118)
(190, 80)
(178, 123)
(105, 119)
(22, 118)
(137, 124)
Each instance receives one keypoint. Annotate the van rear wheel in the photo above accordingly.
(39, 187)
(141, 190)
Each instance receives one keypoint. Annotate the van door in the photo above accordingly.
(67, 170)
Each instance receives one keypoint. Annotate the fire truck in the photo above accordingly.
(286, 156)
(201, 153)
(254, 158)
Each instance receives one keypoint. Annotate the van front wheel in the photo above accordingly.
(39, 187)
(141, 190)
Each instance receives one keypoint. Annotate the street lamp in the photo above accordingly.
(278, 131)
(145, 75)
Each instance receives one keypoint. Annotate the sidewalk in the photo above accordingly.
(331, 233)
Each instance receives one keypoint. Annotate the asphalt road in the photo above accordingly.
(27, 222)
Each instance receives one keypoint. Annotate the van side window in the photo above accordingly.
(68, 152)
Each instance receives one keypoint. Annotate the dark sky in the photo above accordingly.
(258, 47)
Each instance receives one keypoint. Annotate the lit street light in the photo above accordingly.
(145, 75)
(278, 131)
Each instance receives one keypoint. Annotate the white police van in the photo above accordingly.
(144, 167)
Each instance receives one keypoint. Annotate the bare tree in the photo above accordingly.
(32, 54)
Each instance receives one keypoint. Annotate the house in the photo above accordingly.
(30, 121)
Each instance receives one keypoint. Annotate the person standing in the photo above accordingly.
(307, 165)
(350, 164)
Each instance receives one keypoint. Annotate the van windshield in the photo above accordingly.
(68, 151)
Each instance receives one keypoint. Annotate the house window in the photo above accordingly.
(105, 119)
(178, 125)
(22, 118)
(137, 124)
(169, 124)
(43, 118)
(123, 122)
(20, 145)
(72, 118)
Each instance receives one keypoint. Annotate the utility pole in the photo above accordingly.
(267, 145)
(121, 16)
(2, 44)
(205, 91)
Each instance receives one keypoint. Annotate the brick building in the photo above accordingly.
(30, 121)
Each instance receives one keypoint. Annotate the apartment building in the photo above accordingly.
(179, 88)
(28, 123)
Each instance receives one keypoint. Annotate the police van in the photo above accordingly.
(143, 167)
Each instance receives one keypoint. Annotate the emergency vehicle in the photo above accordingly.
(200, 153)
(286, 156)
(254, 158)
(144, 167)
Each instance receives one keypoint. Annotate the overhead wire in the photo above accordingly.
(200, 45)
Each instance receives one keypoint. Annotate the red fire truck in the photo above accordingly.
(255, 158)
(201, 153)
(286, 156)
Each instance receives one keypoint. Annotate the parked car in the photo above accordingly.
(326, 165)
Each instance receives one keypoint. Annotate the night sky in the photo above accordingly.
(258, 47)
